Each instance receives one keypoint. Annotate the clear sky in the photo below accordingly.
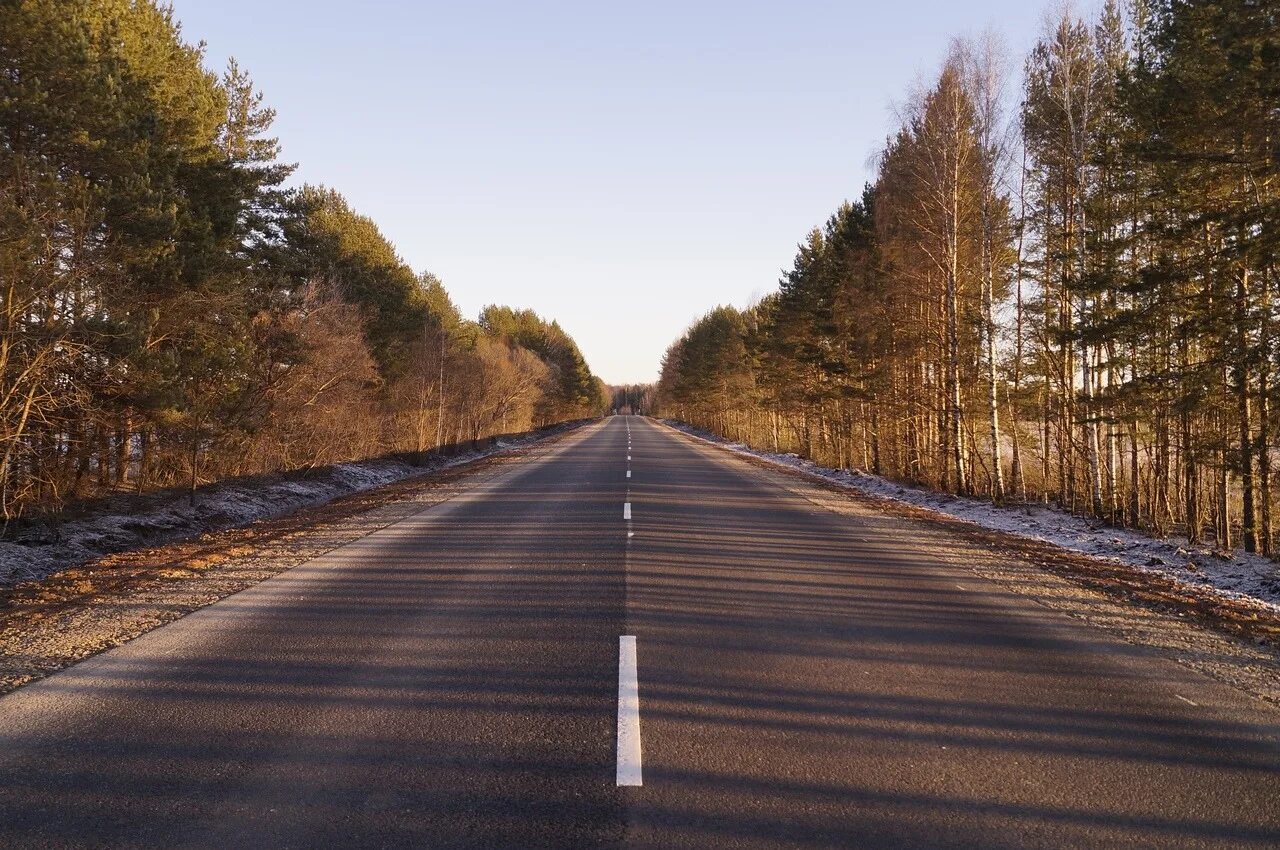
(620, 167)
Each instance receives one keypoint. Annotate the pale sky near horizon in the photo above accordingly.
(619, 168)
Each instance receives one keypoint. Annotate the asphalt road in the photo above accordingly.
(805, 679)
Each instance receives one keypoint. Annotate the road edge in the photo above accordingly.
(77, 613)
(1117, 593)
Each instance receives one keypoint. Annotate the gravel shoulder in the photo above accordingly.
(1230, 640)
(49, 624)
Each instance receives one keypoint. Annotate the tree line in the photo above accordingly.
(172, 314)
(1060, 286)
(638, 399)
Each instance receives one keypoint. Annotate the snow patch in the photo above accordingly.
(133, 522)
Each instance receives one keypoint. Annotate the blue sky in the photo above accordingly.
(621, 168)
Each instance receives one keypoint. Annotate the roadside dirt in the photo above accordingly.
(49, 624)
(1221, 637)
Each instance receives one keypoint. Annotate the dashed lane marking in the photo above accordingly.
(629, 760)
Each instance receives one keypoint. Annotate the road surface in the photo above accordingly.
(797, 678)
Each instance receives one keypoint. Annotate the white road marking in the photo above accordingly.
(626, 510)
(628, 457)
(628, 713)
(628, 473)
(1187, 701)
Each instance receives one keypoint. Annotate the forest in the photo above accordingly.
(1059, 287)
(633, 398)
(174, 313)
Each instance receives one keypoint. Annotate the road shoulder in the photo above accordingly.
(78, 612)
(1236, 647)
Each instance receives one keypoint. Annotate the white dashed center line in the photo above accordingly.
(628, 713)
(626, 507)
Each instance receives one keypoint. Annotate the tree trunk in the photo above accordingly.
(1248, 515)
(1191, 482)
(1264, 419)
(993, 400)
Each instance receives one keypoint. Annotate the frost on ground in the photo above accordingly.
(1251, 579)
(131, 522)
